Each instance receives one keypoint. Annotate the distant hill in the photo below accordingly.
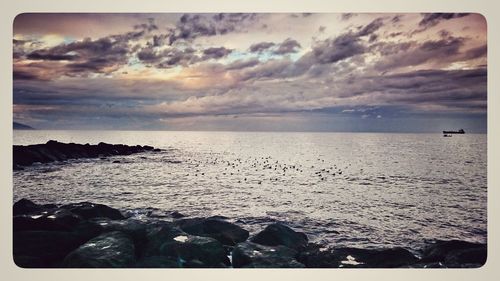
(19, 126)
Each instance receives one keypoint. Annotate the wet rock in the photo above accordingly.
(470, 258)
(225, 232)
(136, 229)
(279, 234)
(176, 215)
(24, 207)
(455, 253)
(157, 235)
(43, 248)
(157, 262)
(248, 254)
(108, 250)
(195, 251)
(89, 210)
(318, 256)
(375, 258)
(57, 151)
(56, 220)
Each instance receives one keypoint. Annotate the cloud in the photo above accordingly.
(201, 65)
(240, 64)
(371, 27)
(429, 20)
(337, 49)
(47, 55)
(412, 54)
(174, 56)
(260, 47)
(347, 16)
(215, 53)
(104, 55)
(477, 52)
(192, 26)
(287, 46)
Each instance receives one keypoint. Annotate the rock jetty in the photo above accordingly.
(25, 155)
(88, 235)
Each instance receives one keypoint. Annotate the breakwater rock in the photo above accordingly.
(88, 235)
(25, 155)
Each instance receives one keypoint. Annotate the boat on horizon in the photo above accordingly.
(461, 131)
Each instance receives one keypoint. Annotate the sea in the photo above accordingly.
(366, 190)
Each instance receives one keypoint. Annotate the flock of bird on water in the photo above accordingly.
(236, 167)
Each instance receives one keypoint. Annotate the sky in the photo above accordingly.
(251, 72)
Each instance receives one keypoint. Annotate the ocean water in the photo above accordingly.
(343, 189)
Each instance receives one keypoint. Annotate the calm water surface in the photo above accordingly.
(345, 189)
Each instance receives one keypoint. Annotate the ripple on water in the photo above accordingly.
(350, 189)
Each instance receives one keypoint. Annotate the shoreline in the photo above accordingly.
(83, 235)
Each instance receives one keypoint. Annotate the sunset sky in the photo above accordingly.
(255, 72)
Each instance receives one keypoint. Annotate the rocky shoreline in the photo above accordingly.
(88, 235)
(26, 155)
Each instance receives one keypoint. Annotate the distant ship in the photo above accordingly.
(461, 131)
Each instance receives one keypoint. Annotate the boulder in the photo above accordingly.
(225, 232)
(456, 253)
(55, 220)
(248, 254)
(176, 215)
(89, 210)
(157, 235)
(195, 251)
(375, 258)
(470, 258)
(109, 250)
(24, 207)
(280, 234)
(318, 256)
(136, 229)
(43, 248)
(157, 262)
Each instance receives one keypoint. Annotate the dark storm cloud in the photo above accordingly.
(260, 47)
(103, 55)
(477, 52)
(396, 18)
(287, 46)
(371, 27)
(446, 47)
(240, 64)
(190, 27)
(429, 20)
(149, 55)
(411, 53)
(340, 48)
(436, 87)
(215, 53)
(174, 56)
(47, 55)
